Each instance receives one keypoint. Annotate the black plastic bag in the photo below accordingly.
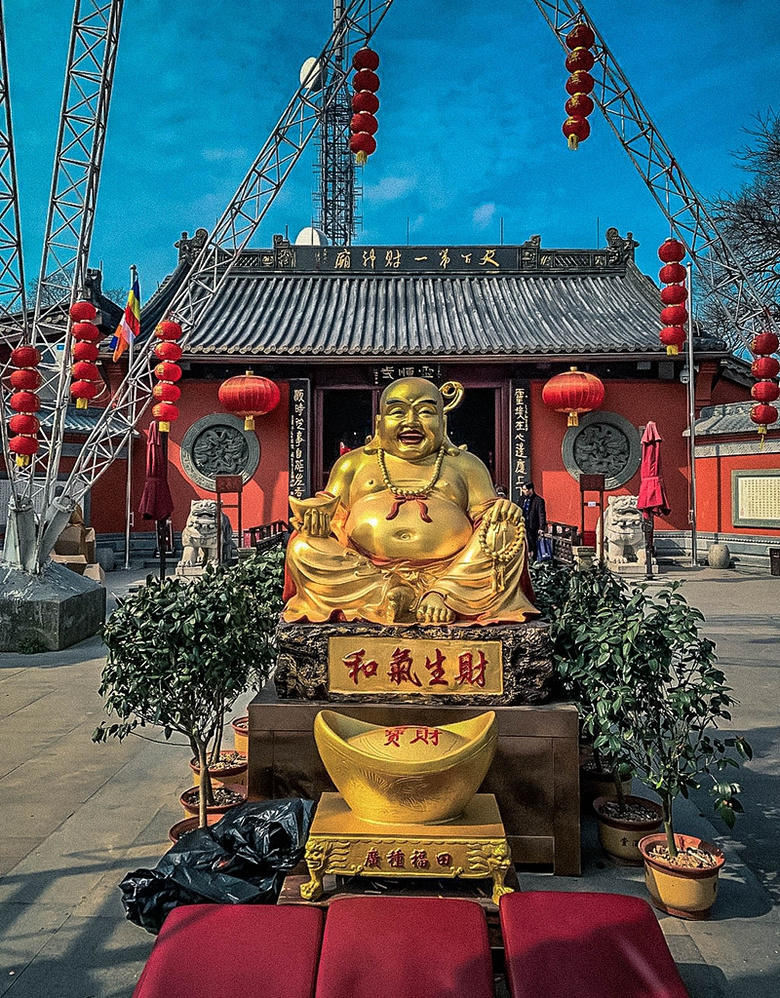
(243, 859)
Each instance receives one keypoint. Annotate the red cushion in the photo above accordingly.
(391, 947)
(254, 951)
(561, 944)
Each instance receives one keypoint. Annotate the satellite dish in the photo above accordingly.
(311, 236)
(312, 76)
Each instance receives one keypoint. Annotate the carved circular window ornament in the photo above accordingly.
(218, 445)
(606, 444)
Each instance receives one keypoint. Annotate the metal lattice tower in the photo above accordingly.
(716, 262)
(338, 193)
(224, 245)
(89, 77)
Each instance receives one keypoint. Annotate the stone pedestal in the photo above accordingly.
(49, 611)
(526, 669)
(472, 846)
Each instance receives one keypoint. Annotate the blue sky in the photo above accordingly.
(472, 98)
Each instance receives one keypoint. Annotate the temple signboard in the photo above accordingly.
(366, 664)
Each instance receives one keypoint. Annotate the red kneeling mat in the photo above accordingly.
(391, 947)
(585, 945)
(251, 951)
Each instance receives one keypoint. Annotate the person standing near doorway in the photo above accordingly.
(535, 514)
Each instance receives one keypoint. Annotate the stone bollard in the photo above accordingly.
(106, 558)
(719, 556)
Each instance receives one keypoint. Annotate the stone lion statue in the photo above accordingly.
(199, 537)
(623, 535)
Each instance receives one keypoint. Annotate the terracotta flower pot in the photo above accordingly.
(619, 837)
(682, 891)
(235, 772)
(189, 800)
(596, 783)
(240, 726)
(176, 831)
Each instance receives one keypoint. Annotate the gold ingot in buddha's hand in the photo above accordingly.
(406, 774)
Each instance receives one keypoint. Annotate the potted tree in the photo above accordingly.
(611, 646)
(180, 653)
(675, 750)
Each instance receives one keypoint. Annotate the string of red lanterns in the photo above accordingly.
(579, 85)
(86, 336)
(166, 392)
(24, 401)
(674, 315)
(573, 392)
(765, 390)
(365, 104)
(249, 395)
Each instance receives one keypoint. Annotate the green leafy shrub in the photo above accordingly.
(179, 654)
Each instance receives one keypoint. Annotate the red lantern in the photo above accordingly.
(576, 130)
(765, 343)
(365, 101)
(675, 294)
(167, 350)
(83, 370)
(363, 144)
(23, 448)
(25, 357)
(249, 395)
(84, 350)
(25, 402)
(763, 415)
(165, 413)
(86, 331)
(580, 83)
(23, 422)
(167, 372)
(365, 79)
(164, 391)
(365, 58)
(580, 58)
(363, 122)
(578, 106)
(674, 315)
(580, 35)
(81, 311)
(672, 338)
(672, 273)
(573, 392)
(671, 251)
(168, 331)
(765, 391)
(27, 379)
(82, 392)
(765, 367)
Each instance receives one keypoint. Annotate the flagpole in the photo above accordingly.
(129, 480)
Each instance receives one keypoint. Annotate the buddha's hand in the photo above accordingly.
(313, 516)
(502, 527)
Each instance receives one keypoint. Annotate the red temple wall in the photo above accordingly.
(713, 487)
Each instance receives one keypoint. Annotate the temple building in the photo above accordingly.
(333, 325)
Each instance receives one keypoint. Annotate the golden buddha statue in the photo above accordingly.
(409, 528)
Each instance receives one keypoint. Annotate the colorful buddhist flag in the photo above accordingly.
(130, 326)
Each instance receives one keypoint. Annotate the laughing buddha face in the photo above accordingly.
(411, 423)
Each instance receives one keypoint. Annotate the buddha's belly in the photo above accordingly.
(407, 535)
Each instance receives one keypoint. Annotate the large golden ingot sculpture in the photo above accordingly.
(409, 528)
(406, 774)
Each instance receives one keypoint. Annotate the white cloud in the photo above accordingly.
(389, 189)
(483, 215)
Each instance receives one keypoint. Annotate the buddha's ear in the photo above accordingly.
(373, 443)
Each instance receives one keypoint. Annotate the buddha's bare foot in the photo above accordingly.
(399, 603)
(433, 610)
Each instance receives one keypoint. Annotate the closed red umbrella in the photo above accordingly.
(652, 499)
(157, 501)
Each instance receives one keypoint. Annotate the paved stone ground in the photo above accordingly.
(75, 817)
